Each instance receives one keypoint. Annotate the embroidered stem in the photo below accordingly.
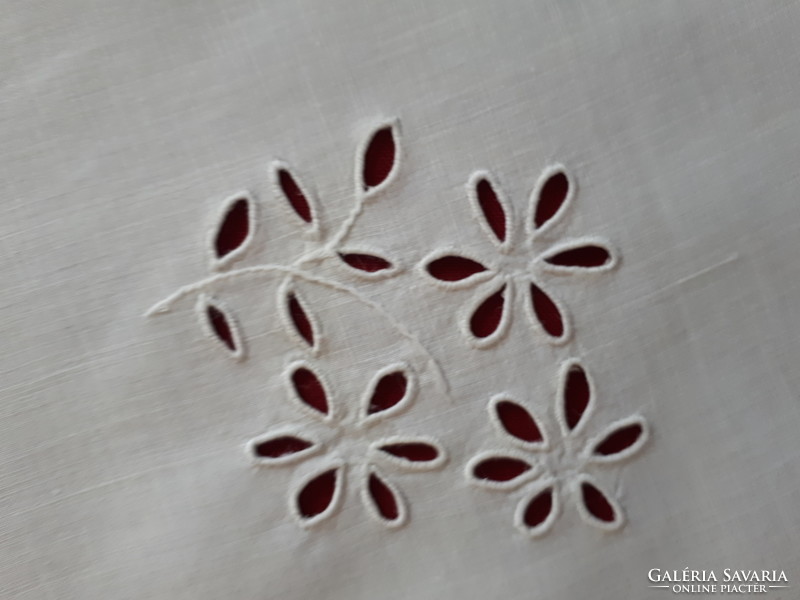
(348, 224)
(203, 285)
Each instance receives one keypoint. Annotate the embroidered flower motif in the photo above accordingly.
(548, 472)
(345, 444)
(518, 268)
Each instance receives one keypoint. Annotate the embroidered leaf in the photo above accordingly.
(294, 195)
(219, 324)
(553, 193)
(517, 422)
(318, 496)
(454, 268)
(300, 320)
(309, 390)
(379, 158)
(414, 452)
(234, 230)
(366, 262)
(546, 312)
(297, 318)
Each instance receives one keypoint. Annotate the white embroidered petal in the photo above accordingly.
(488, 318)
(550, 200)
(308, 391)
(539, 509)
(619, 441)
(281, 447)
(319, 495)
(547, 315)
(595, 506)
(491, 209)
(383, 500)
(516, 423)
(575, 397)
(585, 255)
(412, 453)
(451, 269)
(500, 470)
(391, 391)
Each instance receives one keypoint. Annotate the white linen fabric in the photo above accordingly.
(161, 412)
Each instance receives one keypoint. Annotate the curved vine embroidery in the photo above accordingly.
(550, 473)
(518, 267)
(376, 166)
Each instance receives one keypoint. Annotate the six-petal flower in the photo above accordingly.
(343, 443)
(518, 266)
(549, 473)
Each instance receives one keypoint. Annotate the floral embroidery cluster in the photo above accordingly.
(352, 443)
